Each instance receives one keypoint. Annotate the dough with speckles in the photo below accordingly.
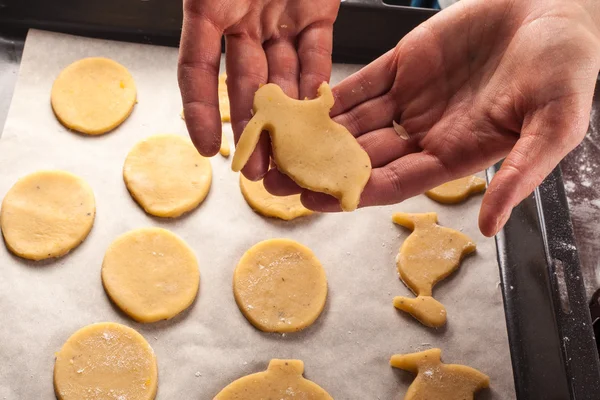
(457, 191)
(282, 380)
(438, 381)
(105, 361)
(308, 146)
(429, 254)
(47, 214)
(280, 286)
(93, 95)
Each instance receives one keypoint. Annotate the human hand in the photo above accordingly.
(476, 82)
(285, 42)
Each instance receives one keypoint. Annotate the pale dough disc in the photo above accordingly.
(282, 380)
(105, 361)
(263, 202)
(93, 95)
(151, 274)
(166, 175)
(46, 214)
(224, 99)
(280, 286)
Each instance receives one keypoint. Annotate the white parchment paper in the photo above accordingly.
(199, 352)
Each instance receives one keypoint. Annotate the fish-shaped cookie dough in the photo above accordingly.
(457, 190)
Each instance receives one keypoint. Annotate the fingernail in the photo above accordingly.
(500, 222)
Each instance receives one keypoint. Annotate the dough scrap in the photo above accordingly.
(264, 203)
(280, 286)
(47, 214)
(225, 149)
(429, 254)
(457, 191)
(282, 380)
(224, 107)
(93, 95)
(150, 274)
(308, 146)
(166, 175)
(436, 380)
(105, 361)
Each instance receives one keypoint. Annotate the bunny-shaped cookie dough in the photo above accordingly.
(308, 146)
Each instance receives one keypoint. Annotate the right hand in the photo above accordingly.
(285, 42)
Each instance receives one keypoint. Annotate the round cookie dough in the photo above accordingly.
(46, 214)
(93, 95)
(280, 286)
(105, 361)
(166, 175)
(264, 203)
(150, 274)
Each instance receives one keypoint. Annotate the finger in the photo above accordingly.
(314, 50)
(283, 65)
(544, 142)
(197, 72)
(246, 70)
(374, 114)
(280, 184)
(385, 146)
(370, 82)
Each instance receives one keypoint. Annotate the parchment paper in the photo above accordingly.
(201, 351)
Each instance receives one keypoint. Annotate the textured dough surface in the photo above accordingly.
(46, 214)
(282, 380)
(151, 274)
(264, 203)
(457, 191)
(438, 381)
(308, 146)
(224, 107)
(166, 175)
(429, 254)
(280, 286)
(105, 361)
(93, 95)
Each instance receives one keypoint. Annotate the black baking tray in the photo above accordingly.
(550, 333)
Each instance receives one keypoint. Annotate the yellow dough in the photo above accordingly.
(224, 150)
(428, 255)
(47, 214)
(263, 202)
(166, 175)
(456, 191)
(224, 99)
(280, 286)
(93, 95)
(438, 381)
(282, 380)
(105, 361)
(151, 274)
(308, 146)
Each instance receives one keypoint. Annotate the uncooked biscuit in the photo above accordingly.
(151, 274)
(438, 381)
(263, 202)
(280, 286)
(224, 107)
(93, 95)
(457, 191)
(429, 254)
(224, 150)
(105, 361)
(308, 146)
(47, 214)
(282, 380)
(166, 175)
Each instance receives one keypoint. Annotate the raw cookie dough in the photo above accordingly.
(280, 286)
(224, 99)
(224, 150)
(263, 202)
(166, 175)
(47, 214)
(151, 274)
(105, 361)
(456, 191)
(439, 381)
(93, 95)
(308, 146)
(282, 380)
(428, 255)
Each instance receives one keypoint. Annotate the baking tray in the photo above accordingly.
(549, 326)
